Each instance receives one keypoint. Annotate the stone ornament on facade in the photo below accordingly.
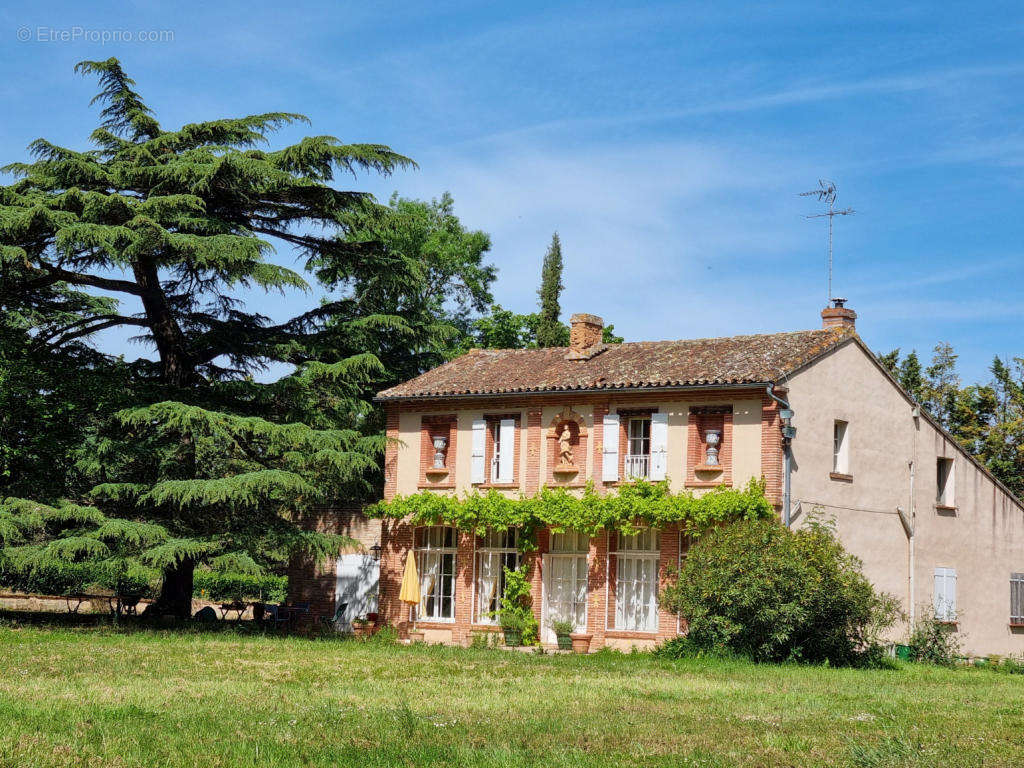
(712, 438)
(566, 428)
(565, 446)
(440, 444)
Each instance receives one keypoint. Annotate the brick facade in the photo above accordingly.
(704, 410)
(314, 582)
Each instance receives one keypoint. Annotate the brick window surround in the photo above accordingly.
(701, 419)
(493, 422)
(431, 427)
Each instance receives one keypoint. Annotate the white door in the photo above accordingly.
(565, 593)
(355, 593)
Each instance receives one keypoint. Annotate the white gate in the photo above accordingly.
(355, 593)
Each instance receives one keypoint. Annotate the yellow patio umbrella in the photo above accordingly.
(410, 592)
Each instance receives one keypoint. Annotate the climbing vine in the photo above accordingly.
(636, 505)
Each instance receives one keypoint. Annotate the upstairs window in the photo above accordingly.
(944, 480)
(841, 448)
(638, 448)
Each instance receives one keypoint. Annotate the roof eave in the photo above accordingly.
(587, 391)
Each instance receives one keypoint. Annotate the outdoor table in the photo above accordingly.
(238, 608)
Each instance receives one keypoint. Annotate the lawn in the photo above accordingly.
(100, 697)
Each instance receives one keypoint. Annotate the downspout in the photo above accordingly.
(788, 433)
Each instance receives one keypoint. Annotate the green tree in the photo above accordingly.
(551, 332)
(413, 296)
(176, 222)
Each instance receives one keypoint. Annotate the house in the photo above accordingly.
(931, 525)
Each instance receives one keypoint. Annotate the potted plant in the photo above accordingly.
(512, 627)
(580, 642)
(362, 627)
(563, 631)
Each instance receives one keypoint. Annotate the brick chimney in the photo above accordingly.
(584, 336)
(838, 315)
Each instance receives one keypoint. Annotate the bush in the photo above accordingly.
(515, 612)
(932, 642)
(225, 587)
(756, 589)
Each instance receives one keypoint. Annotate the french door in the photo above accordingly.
(565, 593)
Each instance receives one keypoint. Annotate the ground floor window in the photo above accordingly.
(945, 594)
(1017, 598)
(496, 551)
(565, 582)
(636, 581)
(435, 559)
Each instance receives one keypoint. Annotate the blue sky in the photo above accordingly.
(667, 143)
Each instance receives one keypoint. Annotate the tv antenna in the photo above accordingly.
(826, 193)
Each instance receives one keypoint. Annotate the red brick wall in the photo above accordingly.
(396, 541)
(314, 582)
(533, 440)
(771, 450)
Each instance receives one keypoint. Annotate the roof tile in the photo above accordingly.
(646, 364)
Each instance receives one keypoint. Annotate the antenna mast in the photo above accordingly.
(826, 193)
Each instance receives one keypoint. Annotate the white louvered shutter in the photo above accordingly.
(659, 445)
(945, 594)
(507, 450)
(610, 461)
(478, 473)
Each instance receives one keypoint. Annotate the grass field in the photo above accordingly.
(99, 697)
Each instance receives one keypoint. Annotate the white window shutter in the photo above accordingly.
(507, 450)
(478, 472)
(659, 445)
(951, 594)
(945, 594)
(610, 462)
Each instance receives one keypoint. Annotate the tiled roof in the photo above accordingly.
(637, 365)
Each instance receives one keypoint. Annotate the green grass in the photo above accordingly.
(99, 697)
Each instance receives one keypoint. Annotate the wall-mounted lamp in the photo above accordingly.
(375, 551)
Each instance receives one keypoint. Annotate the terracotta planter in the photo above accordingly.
(416, 636)
(362, 630)
(581, 643)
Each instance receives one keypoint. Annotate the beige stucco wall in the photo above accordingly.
(983, 539)
(746, 447)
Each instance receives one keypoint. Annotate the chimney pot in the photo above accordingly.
(838, 315)
(584, 335)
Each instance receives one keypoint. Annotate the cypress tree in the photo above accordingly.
(550, 331)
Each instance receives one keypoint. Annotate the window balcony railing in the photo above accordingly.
(638, 466)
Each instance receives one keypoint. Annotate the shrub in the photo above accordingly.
(221, 586)
(756, 589)
(932, 642)
(515, 611)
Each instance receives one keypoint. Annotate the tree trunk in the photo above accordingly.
(176, 593)
(179, 368)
